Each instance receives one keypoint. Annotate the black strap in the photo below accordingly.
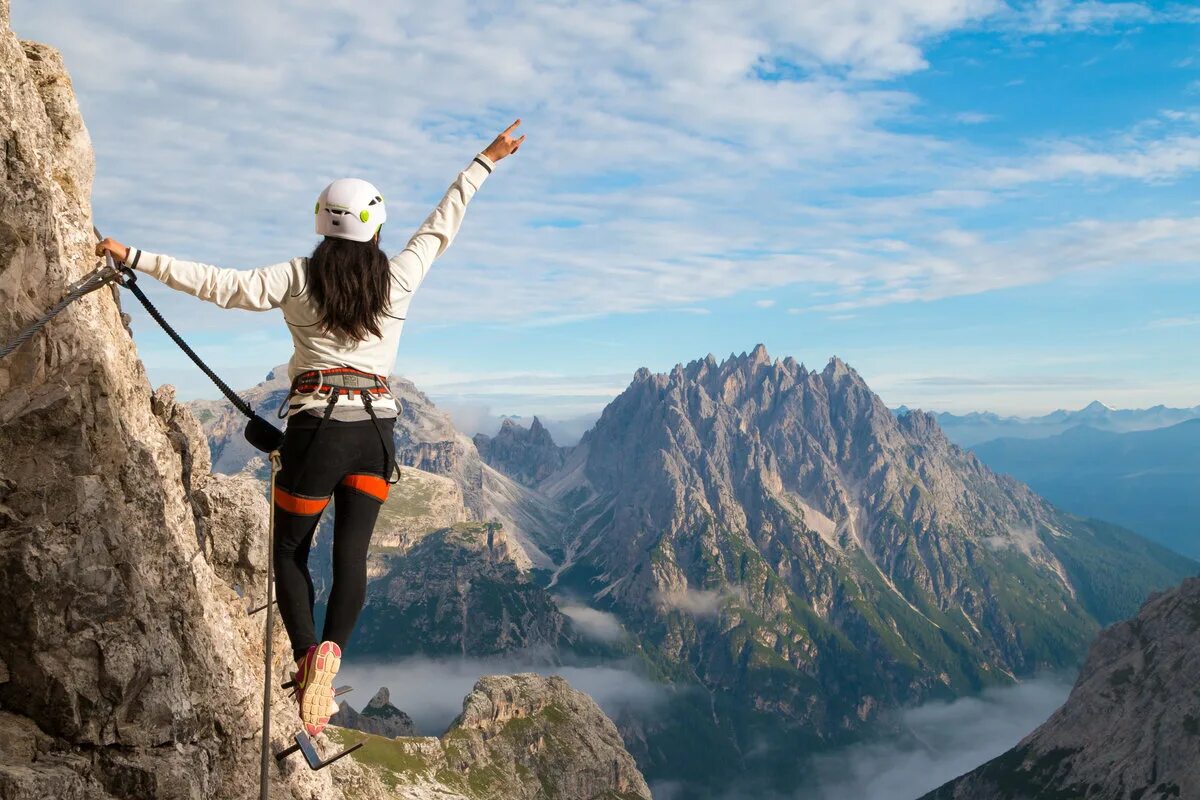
(260, 433)
(130, 283)
(391, 469)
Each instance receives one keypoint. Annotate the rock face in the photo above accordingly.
(457, 591)
(379, 717)
(812, 559)
(1131, 727)
(130, 666)
(519, 737)
(136, 671)
(527, 455)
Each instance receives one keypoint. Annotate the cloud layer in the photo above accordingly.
(648, 125)
(431, 691)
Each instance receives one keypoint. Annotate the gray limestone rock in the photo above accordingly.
(1130, 729)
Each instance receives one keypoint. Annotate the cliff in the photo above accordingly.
(129, 662)
(519, 737)
(1130, 729)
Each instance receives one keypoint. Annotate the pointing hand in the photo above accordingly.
(504, 144)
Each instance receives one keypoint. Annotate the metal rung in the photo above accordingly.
(306, 746)
(254, 611)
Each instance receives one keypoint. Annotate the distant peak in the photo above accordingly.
(759, 355)
(1096, 406)
(837, 367)
(381, 698)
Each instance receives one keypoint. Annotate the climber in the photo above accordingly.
(345, 306)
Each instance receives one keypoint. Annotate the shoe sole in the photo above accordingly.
(318, 693)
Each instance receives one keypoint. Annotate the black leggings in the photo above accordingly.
(347, 461)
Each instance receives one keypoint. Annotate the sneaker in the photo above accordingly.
(314, 685)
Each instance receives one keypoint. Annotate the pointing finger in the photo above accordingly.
(510, 128)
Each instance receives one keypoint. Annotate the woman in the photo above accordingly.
(345, 306)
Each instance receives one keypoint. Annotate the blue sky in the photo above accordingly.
(977, 204)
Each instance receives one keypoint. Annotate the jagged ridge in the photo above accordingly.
(778, 535)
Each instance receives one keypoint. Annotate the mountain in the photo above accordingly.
(519, 737)
(425, 439)
(966, 430)
(131, 668)
(1145, 480)
(777, 536)
(456, 591)
(378, 716)
(527, 455)
(1131, 726)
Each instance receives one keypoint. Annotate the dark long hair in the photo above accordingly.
(350, 284)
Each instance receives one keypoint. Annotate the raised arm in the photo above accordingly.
(439, 229)
(253, 290)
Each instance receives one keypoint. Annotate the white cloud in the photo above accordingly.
(593, 623)
(764, 303)
(431, 690)
(942, 741)
(973, 117)
(648, 129)
(1056, 16)
(1151, 160)
(697, 602)
(1035, 257)
(1173, 322)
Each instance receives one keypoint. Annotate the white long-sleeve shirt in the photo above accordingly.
(283, 286)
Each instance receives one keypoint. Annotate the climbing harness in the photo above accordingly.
(331, 385)
(258, 432)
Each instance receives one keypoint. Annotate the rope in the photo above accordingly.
(108, 273)
(130, 283)
(264, 774)
(101, 276)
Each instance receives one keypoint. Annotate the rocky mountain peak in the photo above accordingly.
(1131, 726)
(382, 699)
(752, 508)
(279, 373)
(527, 455)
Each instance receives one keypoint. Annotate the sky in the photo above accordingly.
(978, 204)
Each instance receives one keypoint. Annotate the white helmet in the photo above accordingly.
(350, 208)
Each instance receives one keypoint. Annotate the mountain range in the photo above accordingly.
(772, 541)
(970, 429)
(1147, 480)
